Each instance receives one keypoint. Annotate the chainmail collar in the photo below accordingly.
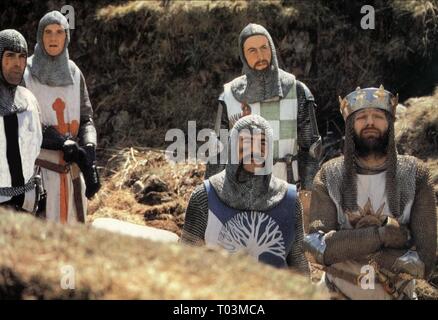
(51, 71)
(243, 190)
(10, 102)
(260, 85)
(362, 168)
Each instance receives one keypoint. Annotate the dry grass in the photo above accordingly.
(124, 168)
(417, 132)
(417, 135)
(417, 128)
(109, 266)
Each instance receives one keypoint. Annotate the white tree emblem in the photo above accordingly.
(244, 232)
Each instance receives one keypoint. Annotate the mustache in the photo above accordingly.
(261, 62)
(370, 129)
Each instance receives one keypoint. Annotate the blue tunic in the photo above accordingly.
(267, 236)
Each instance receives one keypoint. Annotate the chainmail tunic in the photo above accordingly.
(357, 244)
(196, 223)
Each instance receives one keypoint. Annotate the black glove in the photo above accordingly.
(52, 139)
(73, 152)
(90, 173)
(85, 158)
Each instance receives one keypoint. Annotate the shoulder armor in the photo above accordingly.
(308, 94)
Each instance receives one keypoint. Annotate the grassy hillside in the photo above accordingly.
(36, 257)
(154, 65)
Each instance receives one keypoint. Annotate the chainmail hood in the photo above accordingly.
(51, 71)
(243, 190)
(10, 40)
(260, 85)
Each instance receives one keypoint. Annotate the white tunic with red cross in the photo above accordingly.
(59, 107)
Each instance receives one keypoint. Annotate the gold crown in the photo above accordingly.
(368, 98)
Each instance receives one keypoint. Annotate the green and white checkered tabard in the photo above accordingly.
(281, 115)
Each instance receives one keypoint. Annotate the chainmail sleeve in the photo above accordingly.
(308, 134)
(296, 259)
(196, 218)
(323, 214)
(341, 245)
(221, 122)
(423, 223)
(87, 130)
(423, 226)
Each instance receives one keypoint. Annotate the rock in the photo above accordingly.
(154, 183)
(137, 187)
(134, 230)
(155, 191)
(153, 198)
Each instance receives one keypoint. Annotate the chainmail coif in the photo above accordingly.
(260, 85)
(243, 190)
(10, 40)
(51, 71)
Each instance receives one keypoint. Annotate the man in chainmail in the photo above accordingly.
(245, 207)
(68, 155)
(276, 95)
(20, 128)
(373, 213)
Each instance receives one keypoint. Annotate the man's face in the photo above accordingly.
(13, 65)
(370, 131)
(257, 52)
(251, 150)
(54, 39)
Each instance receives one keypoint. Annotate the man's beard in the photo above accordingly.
(371, 146)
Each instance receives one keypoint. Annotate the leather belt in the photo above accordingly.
(52, 166)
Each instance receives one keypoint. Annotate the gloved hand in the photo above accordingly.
(73, 152)
(90, 173)
(393, 235)
(52, 139)
(85, 158)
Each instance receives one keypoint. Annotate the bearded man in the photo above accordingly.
(68, 155)
(372, 214)
(20, 128)
(244, 207)
(286, 103)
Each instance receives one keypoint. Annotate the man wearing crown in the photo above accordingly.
(373, 213)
